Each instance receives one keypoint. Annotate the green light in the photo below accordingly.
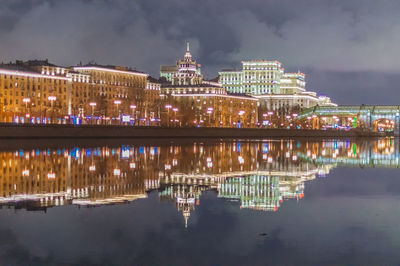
(355, 122)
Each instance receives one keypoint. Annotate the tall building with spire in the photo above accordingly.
(185, 72)
(198, 102)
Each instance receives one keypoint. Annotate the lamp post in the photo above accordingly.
(168, 106)
(241, 113)
(52, 99)
(209, 112)
(175, 110)
(93, 105)
(133, 108)
(118, 102)
(26, 101)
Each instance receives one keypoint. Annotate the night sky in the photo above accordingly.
(348, 49)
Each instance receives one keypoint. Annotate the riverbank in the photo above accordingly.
(27, 131)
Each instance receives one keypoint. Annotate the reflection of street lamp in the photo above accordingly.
(168, 106)
(93, 105)
(52, 99)
(175, 110)
(118, 102)
(133, 108)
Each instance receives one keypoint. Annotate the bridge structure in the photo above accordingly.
(361, 115)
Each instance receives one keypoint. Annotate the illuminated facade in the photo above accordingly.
(257, 77)
(33, 92)
(151, 103)
(191, 101)
(276, 90)
(114, 91)
(186, 71)
(40, 92)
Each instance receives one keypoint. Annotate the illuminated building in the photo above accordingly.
(186, 71)
(276, 91)
(151, 105)
(40, 92)
(33, 92)
(168, 72)
(114, 90)
(189, 100)
(257, 77)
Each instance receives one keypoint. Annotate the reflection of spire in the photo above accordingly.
(186, 215)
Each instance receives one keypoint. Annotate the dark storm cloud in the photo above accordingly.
(331, 38)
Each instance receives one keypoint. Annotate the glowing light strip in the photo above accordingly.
(287, 96)
(111, 70)
(31, 75)
(215, 95)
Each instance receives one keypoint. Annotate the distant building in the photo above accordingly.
(192, 101)
(185, 72)
(257, 77)
(276, 90)
(168, 71)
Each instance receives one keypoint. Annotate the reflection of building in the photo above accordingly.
(186, 196)
(261, 175)
(78, 176)
(254, 192)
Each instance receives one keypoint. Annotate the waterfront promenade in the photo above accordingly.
(98, 131)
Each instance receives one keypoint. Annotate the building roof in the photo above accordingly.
(13, 66)
(153, 80)
(37, 63)
(230, 70)
(169, 68)
(27, 66)
(111, 67)
(169, 85)
(216, 79)
(240, 95)
(261, 61)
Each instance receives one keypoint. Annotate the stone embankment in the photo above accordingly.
(95, 131)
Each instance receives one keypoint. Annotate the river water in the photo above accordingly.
(236, 202)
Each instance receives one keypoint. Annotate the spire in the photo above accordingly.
(188, 56)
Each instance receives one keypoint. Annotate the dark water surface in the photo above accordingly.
(239, 202)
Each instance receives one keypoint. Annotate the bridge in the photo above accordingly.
(365, 116)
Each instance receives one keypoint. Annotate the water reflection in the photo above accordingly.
(259, 175)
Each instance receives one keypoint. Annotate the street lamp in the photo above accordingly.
(93, 105)
(133, 108)
(26, 101)
(168, 106)
(52, 99)
(175, 110)
(209, 112)
(241, 112)
(118, 102)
